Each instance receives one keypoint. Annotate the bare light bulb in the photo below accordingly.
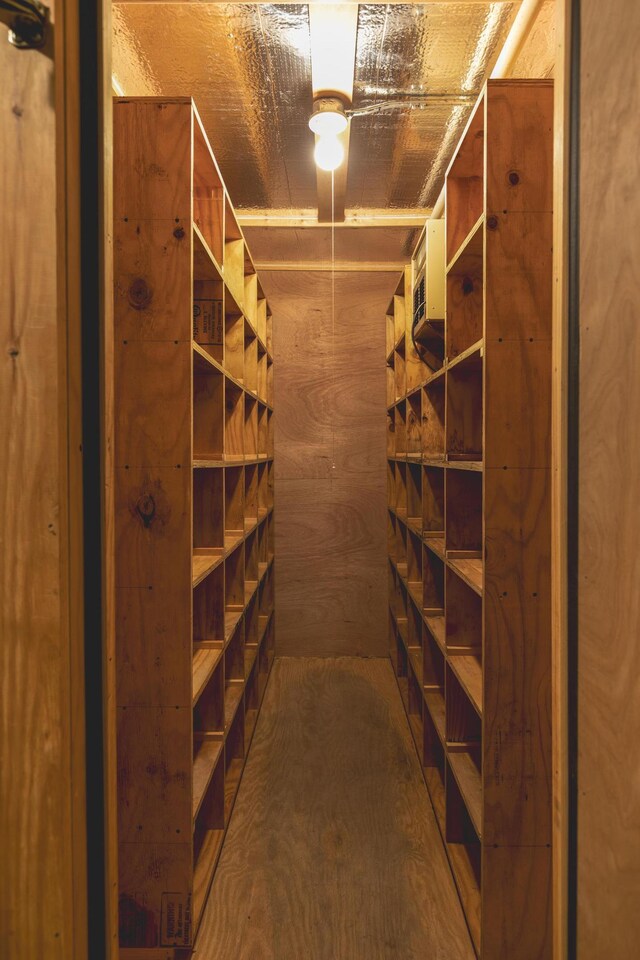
(329, 153)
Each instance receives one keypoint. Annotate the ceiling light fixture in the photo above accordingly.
(328, 117)
(327, 122)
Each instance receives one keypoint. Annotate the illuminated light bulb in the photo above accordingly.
(329, 153)
(328, 123)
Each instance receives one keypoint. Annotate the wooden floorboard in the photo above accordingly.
(333, 852)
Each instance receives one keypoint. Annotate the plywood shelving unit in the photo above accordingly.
(194, 515)
(469, 522)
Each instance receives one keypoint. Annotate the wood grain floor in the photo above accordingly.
(333, 852)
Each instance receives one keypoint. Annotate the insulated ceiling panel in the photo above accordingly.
(248, 69)
(438, 51)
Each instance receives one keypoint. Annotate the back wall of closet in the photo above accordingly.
(330, 466)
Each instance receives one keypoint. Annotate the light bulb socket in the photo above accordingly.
(328, 117)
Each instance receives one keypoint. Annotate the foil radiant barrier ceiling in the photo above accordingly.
(248, 69)
(444, 50)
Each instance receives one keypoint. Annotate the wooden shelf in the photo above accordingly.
(475, 465)
(469, 569)
(204, 562)
(436, 545)
(216, 400)
(232, 700)
(205, 660)
(205, 265)
(231, 784)
(470, 784)
(434, 700)
(435, 786)
(204, 763)
(472, 354)
(468, 670)
(437, 629)
(468, 889)
(204, 869)
(465, 435)
(471, 246)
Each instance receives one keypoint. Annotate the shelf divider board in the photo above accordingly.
(485, 522)
(184, 516)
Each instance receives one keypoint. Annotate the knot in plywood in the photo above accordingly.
(140, 294)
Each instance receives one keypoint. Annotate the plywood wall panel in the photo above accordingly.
(330, 485)
(43, 879)
(608, 668)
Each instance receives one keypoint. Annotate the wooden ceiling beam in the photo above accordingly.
(360, 218)
(340, 266)
(393, 3)
(333, 29)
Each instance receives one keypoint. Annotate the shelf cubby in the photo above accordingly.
(414, 563)
(234, 588)
(251, 495)
(415, 706)
(467, 668)
(251, 700)
(414, 424)
(208, 413)
(234, 748)
(234, 657)
(250, 375)
(400, 429)
(414, 496)
(270, 435)
(433, 758)
(234, 421)
(464, 416)
(250, 299)
(208, 310)
(261, 312)
(465, 853)
(391, 383)
(391, 483)
(251, 427)
(234, 504)
(234, 326)
(399, 367)
(433, 585)
(269, 381)
(463, 615)
(234, 254)
(262, 373)
(433, 661)
(433, 419)
(208, 713)
(401, 489)
(432, 501)
(263, 491)
(208, 615)
(208, 509)
(208, 836)
(208, 195)
(391, 432)
(251, 562)
(464, 196)
(464, 513)
(251, 624)
(465, 295)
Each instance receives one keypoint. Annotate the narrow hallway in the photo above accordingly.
(333, 851)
